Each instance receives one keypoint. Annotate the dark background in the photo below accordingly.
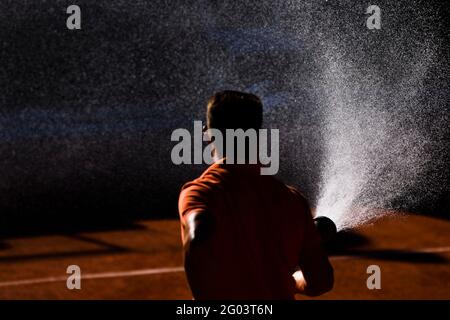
(86, 115)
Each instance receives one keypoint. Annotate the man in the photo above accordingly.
(247, 235)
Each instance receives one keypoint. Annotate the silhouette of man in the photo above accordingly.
(247, 235)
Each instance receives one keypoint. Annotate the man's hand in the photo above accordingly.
(316, 276)
(300, 282)
(316, 287)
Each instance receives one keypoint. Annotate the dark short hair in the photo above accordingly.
(234, 110)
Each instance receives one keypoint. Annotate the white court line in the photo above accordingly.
(144, 272)
(425, 250)
(435, 250)
(103, 275)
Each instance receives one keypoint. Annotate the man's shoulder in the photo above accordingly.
(298, 196)
(213, 177)
(295, 191)
(201, 192)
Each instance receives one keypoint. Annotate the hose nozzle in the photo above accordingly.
(326, 227)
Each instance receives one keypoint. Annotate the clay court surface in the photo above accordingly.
(144, 261)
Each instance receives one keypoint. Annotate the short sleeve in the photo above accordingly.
(193, 197)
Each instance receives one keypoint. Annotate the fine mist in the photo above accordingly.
(376, 149)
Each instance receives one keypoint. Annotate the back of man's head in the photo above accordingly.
(234, 110)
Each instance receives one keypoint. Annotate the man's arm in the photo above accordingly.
(197, 231)
(197, 228)
(316, 275)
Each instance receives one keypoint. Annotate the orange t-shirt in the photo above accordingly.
(259, 229)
